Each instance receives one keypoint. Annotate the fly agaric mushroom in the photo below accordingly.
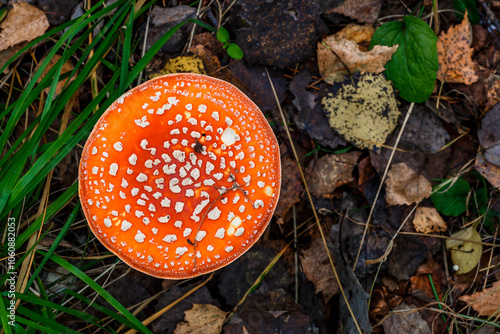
(180, 176)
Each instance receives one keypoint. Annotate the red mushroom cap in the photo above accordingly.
(180, 176)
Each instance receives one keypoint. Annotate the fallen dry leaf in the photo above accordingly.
(363, 109)
(202, 319)
(492, 91)
(330, 172)
(428, 220)
(489, 171)
(405, 186)
(406, 319)
(455, 55)
(67, 67)
(420, 281)
(486, 301)
(489, 136)
(361, 10)
(319, 271)
(361, 34)
(336, 53)
(291, 187)
(23, 23)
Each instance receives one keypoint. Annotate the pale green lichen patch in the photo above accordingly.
(364, 109)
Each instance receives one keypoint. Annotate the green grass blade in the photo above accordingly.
(127, 42)
(136, 324)
(54, 245)
(3, 315)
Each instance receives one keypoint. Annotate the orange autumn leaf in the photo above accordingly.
(485, 302)
(455, 55)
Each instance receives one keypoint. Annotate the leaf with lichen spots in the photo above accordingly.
(338, 56)
(428, 220)
(455, 55)
(486, 301)
(202, 319)
(466, 249)
(182, 64)
(404, 186)
(24, 23)
(363, 109)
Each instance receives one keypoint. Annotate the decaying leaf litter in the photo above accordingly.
(412, 148)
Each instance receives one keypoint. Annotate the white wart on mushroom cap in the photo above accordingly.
(180, 176)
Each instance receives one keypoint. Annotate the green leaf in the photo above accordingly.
(234, 51)
(222, 35)
(470, 6)
(451, 201)
(414, 65)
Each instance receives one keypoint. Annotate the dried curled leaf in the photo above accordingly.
(336, 53)
(455, 55)
(23, 23)
(202, 319)
(428, 220)
(486, 301)
(404, 186)
(466, 252)
(363, 109)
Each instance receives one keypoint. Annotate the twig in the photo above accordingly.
(312, 203)
(382, 183)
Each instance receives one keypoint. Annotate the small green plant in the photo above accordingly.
(450, 199)
(232, 49)
(413, 67)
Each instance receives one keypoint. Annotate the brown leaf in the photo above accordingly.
(492, 91)
(23, 23)
(489, 137)
(319, 271)
(406, 319)
(291, 187)
(488, 170)
(361, 34)
(455, 55)
(361, 10)
(202, 319)
(405, 186)
(336, 53)
(486, 301)
(331, 171)
(420, 281)
(428, 220)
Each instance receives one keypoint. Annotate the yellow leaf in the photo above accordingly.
(465, 254)
(363, 109)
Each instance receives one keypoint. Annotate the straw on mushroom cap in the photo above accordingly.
(180, 176)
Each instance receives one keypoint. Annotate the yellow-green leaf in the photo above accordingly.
(465, 254)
